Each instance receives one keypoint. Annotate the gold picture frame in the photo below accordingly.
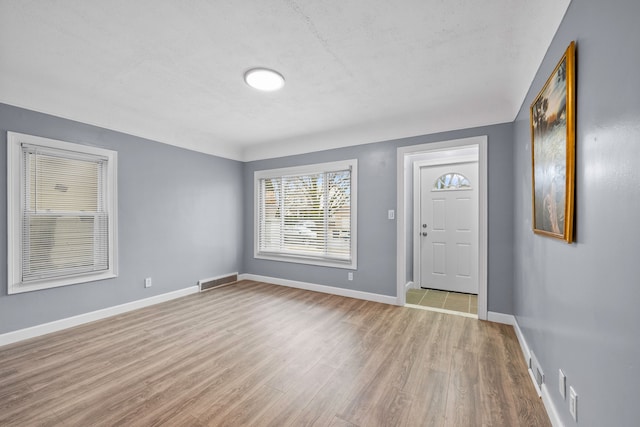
(552, 117)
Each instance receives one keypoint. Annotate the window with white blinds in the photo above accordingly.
(307, 214)
(61, 213)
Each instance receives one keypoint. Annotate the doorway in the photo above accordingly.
(453, 253)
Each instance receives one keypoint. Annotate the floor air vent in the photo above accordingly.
(206, 284)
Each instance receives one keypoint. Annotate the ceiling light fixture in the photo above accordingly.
(264, 79)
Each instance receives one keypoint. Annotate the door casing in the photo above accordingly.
(403, 226)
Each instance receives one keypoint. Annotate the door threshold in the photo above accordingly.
(442, 310)
(446, 290)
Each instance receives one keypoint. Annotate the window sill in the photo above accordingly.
(350, 265)
(18, 288)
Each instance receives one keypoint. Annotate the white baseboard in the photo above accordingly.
(69, 322)
(385, 299)
(507, 319)
(523, 343)
(550, 407)
(407, 286)
(543, 391)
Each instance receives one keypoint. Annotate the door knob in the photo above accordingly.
(424, 233)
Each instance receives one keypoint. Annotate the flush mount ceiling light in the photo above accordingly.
(264, 79)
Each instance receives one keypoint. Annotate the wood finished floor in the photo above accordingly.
(265, 355)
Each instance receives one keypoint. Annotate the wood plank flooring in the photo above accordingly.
(254, 354)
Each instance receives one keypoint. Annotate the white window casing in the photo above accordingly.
(307, 214)
(61, 211)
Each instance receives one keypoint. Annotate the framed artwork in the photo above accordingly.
(553, 137)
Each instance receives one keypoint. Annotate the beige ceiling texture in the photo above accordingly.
(356, 71)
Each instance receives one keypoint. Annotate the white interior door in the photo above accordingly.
(449, 227)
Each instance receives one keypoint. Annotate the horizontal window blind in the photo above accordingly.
(306, 215)
(65, 226)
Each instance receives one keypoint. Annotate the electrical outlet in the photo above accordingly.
(350, 275)
(573, 403)
(562, 384)
(391, 214)
(539, 376)
(147, 282)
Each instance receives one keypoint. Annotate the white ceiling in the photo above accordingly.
(356, 71)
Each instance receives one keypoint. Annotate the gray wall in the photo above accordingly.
(376, 234)
(178, 212)
(579, 305)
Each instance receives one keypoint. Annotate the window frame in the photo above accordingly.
(316, 168)
(459, 187)
(15, 142)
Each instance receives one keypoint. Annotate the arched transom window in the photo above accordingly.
(452, 181)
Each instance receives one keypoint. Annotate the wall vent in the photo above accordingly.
(216, 282)
(536, 373)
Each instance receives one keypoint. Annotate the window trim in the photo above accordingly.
(14, 213)
(351, 164)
